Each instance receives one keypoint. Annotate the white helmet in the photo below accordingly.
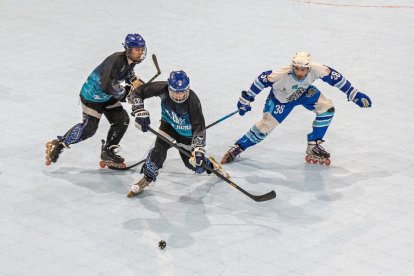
(302, 59)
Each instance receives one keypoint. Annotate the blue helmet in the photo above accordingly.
(135, 41)
(178, 86)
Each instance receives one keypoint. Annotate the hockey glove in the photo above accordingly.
(359, 98)
(244, 103)
(142, 119)
(135, 82)
(197, 159)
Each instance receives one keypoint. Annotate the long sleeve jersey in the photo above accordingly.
(186, 118)
(286, 87)
(108, 79)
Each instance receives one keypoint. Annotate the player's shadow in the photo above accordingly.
(317, 185)
(97, 180)
(305, 177)
(177, 199)
(177, 216)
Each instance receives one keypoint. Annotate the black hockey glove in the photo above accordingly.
(142, 119)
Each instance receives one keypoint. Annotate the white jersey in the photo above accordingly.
(287, 88)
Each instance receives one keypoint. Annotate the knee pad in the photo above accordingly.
(323, 105)
(90, 126)
(267, 124)
(125, 117)
(118, 116)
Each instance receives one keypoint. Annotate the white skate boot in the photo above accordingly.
(139, 186)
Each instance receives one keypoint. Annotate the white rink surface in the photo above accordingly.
(355, 217)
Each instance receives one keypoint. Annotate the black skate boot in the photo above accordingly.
(110, 157)
(315, 153)
(53, 149)
(229, 156)
(138, 187)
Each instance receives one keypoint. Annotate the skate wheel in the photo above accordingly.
(48, 162)
(327, 162)
(308, 159)
(314, 161)
(102, 164)
(117, 165)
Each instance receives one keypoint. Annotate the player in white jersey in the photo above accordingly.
(292, 86)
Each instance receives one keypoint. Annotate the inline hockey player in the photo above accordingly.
(292, 86)
(102, 93)
(182, 121)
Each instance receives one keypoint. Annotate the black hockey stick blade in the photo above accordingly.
(154, 59)
(270, 195)
(258, 198)
(126, 168)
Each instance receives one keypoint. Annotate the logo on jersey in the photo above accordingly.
(180, 122)
(296, 95)
(183, 127)
(263, 78)
(311, 92)
(176, 119)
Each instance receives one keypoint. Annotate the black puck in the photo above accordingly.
(162, 244)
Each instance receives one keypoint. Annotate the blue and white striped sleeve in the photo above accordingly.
(260, 83)
(336, 79)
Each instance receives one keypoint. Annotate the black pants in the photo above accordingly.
(159, 152)
(92, 112)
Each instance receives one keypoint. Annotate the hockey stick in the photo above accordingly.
(222, 119)
(210, 125)
(154, 59)
(142, 161)
(270, 195)
(126, 168)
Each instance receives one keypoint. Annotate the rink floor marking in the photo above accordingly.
(354, 5)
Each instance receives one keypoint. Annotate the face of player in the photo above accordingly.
(136, 54)
(300, 72)
(179, 97)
